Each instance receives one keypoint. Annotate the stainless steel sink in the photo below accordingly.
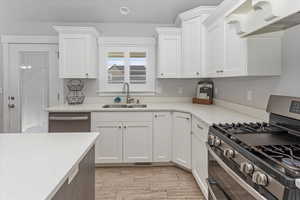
(125, 106)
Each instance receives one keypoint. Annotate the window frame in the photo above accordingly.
(126, 45)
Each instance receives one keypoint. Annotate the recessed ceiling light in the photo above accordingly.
(124, 10)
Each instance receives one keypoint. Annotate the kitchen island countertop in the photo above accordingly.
(34, 166)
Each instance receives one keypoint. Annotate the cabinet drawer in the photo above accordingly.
(122, 116)
(200, 129)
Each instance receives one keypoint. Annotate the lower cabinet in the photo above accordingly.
(137, 142)
(182, 139)
(109, 148)
(162, 137)
(200, 154)
(81, 186)
(123, 138)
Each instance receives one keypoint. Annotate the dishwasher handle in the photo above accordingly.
(68, 118)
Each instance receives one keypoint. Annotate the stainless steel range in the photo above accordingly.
(257, 160)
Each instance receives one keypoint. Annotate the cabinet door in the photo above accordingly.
(199, 162)
(235, 51)
(169, 60)
(137, 142)
(199, 154)
(162, 137)
(215, 49)
(109, 146)
(182, 139)
(73, 56)
(191, 47)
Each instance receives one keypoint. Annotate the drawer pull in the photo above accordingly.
(187, 118)
(198, 126)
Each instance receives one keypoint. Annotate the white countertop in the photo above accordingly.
(34, 166)
(207, 113)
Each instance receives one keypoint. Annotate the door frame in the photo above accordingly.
(6, 40)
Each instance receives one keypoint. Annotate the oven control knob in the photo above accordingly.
(229, 153)
(260, 178)
(217, 142)
(211, 140)
(247, 168)
(214, 141)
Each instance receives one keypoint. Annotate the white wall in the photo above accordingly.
(167, 87)
(235, 89)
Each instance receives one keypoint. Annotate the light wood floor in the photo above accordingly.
(145, 183)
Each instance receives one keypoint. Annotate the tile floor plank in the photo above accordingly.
(145, 183)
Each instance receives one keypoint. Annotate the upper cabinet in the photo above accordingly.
(193, 40)
(169, 52)
(229, 55)
(262, 16)
(78, 52)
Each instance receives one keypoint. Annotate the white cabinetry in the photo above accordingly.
(162, 134)
(109, 147)
(78, 52)
(229, 55)
(193, 41)
(137, 142)
(169, 52)
(182, 139)
(125, 137)
(192, 47)
(199, 154)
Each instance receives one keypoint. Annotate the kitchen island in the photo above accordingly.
(56, 166)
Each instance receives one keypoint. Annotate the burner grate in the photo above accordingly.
(287, 156)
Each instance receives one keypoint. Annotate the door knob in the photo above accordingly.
(11, 105)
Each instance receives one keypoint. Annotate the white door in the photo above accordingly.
(169, 59)
(191, 46)
(109, 146)
(32, 84)
(73, 56)
(199, 162)
(215, 49)
(162, 137)
(182, 139)
(137, 137)
(235, 52)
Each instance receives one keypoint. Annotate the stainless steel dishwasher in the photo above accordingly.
(69, 122)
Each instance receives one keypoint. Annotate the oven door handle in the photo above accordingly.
(229, 171)
(215, 190)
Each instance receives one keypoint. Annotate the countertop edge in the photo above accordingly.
(63, 180)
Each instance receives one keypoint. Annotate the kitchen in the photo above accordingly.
(128, 101)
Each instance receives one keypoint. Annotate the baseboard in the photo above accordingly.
(154, 164)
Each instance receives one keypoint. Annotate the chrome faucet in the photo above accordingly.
(126, 89)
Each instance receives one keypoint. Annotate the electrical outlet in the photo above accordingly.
(180, 90)
(249, 95)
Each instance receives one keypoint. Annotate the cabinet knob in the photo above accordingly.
(198, 73)
(219, 71)
(162, 74)
(87, 74)
(120, 127)
(155, 116)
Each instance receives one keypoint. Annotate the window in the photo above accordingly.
(133, 64)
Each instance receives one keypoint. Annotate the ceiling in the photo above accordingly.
(142, 11)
